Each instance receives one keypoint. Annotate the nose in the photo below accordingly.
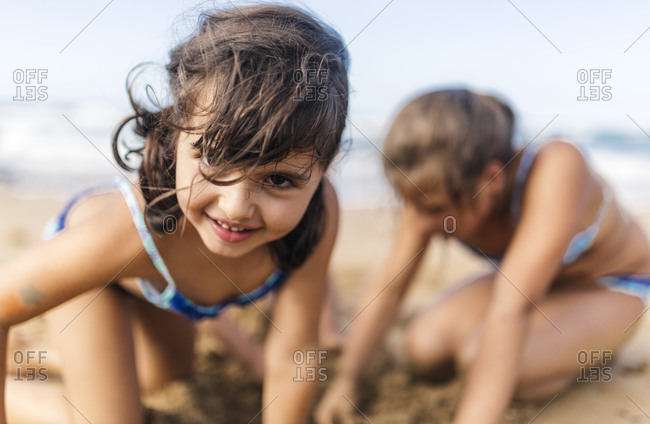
(236, 201)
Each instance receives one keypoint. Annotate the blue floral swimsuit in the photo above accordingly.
(170, 298)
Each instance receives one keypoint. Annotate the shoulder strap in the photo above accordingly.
(528, 154)
(583, 240)
(147, 240)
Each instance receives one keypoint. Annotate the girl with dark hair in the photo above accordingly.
(230, 203)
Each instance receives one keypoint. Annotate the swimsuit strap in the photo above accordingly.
(57, 223)
(171, 298)
(584, 239)
(580, 241)
(147, 240)
(528, 154)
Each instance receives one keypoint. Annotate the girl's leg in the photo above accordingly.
(36, 402)
(25, 355)
(164, 345)
(590, 320)
(437, 333)
(119, 345)
(92, 333)
(594, 324)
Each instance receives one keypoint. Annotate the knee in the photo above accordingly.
(467, 351)
(430, 356)
(418, 349)
(542, 390)
(426, 346)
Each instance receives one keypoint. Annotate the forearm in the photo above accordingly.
(366, 332)
(289, 390)
(493, 376)
(380, 304)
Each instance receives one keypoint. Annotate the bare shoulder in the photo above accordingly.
(561, 155)
(560, 167)
(99, 245)
(560, 184)
(105, 216)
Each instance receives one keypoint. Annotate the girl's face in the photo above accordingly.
(439, 214)
(237, 219)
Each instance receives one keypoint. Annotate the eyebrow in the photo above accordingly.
(302, 172)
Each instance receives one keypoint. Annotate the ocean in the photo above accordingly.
(54, 150)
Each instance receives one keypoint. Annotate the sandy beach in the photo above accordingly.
(221, 391)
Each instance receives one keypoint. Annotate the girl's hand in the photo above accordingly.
(334, 407)
(418, 222)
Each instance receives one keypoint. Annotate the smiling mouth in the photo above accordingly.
(230, 231)
(229, 228)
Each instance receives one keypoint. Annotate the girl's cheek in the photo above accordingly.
(282, 215)
(183, 197)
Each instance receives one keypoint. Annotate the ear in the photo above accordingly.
(494, 176)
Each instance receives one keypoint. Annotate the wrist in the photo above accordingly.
(345, 381)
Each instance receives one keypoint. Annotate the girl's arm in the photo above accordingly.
(73, 262)
(291, 355)
(375, 312)
(557, 195)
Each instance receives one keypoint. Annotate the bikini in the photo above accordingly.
(631, 284)
(170, 298)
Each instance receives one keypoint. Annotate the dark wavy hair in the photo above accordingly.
(267, 81)
(442, 140)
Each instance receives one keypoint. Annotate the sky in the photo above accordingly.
(570, 68)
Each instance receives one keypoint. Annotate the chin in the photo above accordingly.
(228, 250)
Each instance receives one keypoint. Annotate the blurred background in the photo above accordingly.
(573, 69)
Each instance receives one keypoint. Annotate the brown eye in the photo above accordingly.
(278, 181)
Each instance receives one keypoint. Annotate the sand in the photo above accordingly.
(221, 391)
